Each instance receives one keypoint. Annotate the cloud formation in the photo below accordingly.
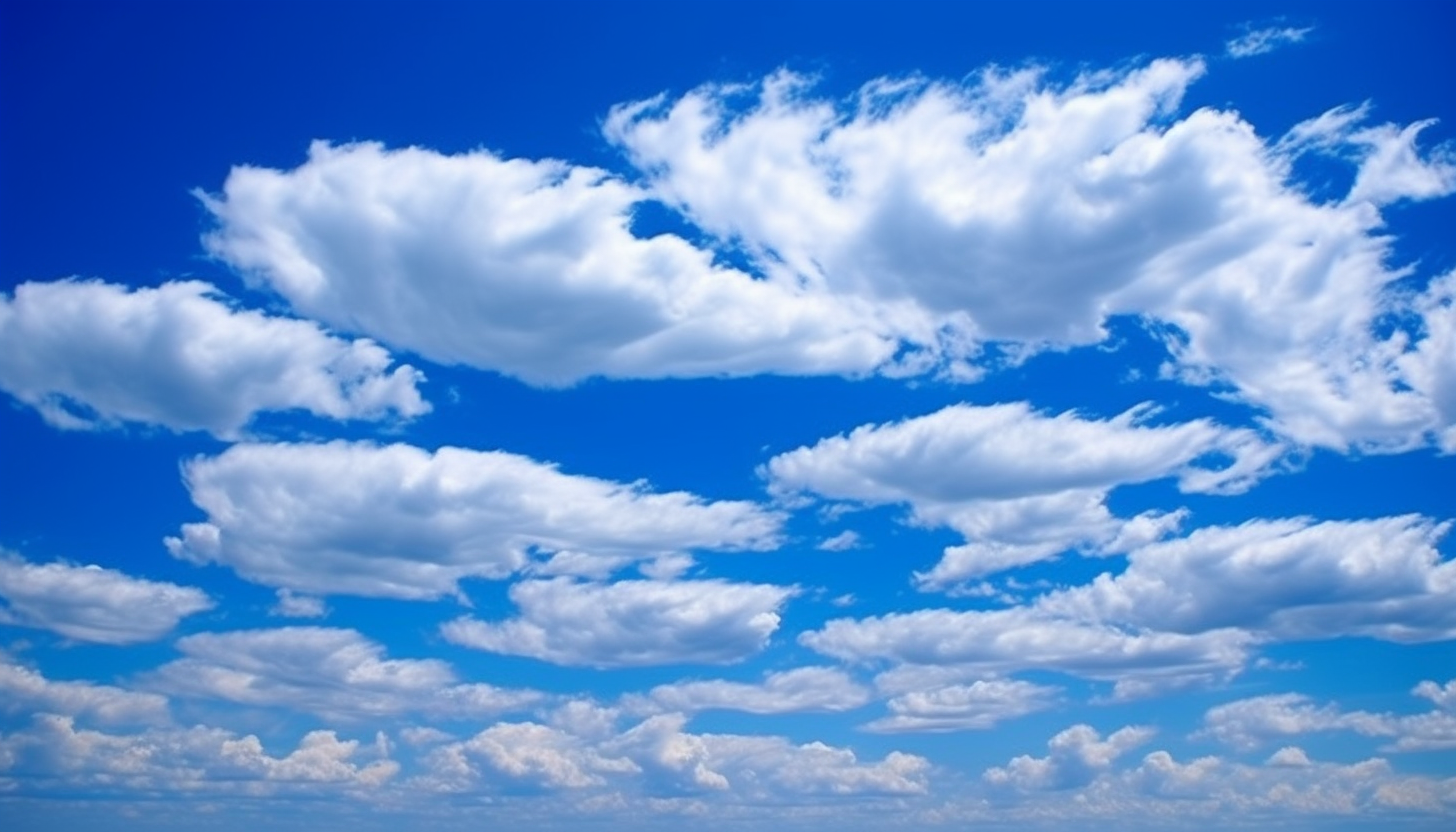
(1284, 579)
(89, 603)
(328, 671)
(630, 623)
(1022, 486)
(398, 521)
(88, 354)
(525, 267)
(1018, 210)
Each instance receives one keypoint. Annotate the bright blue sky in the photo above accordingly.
(826, 416)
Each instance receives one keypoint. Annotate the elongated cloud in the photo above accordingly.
(1023, 638)
(1020, 485)
(1285, 579)
(525, 267)
(402, 522)
(630, 623)
(91, 354)
(789, 691)
(89, 603)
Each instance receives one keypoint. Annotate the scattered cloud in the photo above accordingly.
(1075, 757)
(1262, 41)
(54, 755)
(88, 354)
(1021, 486)
(788, 691)
(667, 760)
(26, 691)
(978, 642)
(1291, 579)
(630, 623)
(977, 706)
(402, 522)
(291, 605)
(336, 673)
(89, 603)
(1250, 723)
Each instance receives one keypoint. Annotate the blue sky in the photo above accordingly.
(829, 416)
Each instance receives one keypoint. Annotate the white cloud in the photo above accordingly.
(897, 234)
(977, 706)
(1020, 485)
(1284, 579)
(89, 603)
(1249, 723)
(1443, 695)
(291, 605)
(334, 672)
(26, 691)
(974, 643)
(93, 354)
(763, 767)
(53, 754)
(520, 266)
(1012, 209)
(1075, 757)
(1262, 41)
(398, 521)
(662, 758)
(845, 540)
(526, 750)
(789, 691)
(630, 623)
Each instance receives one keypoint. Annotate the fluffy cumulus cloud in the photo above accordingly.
(88, 354)
(659, 757)
(333, 672)
(630, 623)
(398, 521)
(89, 603)
(789, 691)
(1022, 486)
(1016, 209)
(525, 267)
(1074, 758)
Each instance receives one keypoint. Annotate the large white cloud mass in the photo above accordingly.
(520, 266)
(1028, 211)
(89, 354)
(89, 603)
(398, 521)
(897, 231)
